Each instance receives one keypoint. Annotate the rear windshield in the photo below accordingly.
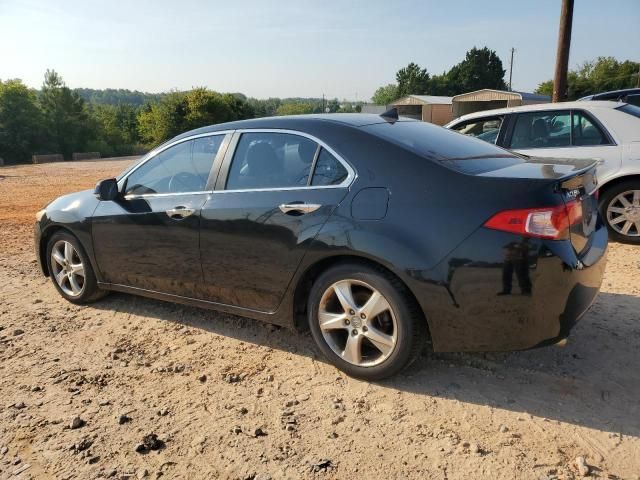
(451, 149)
(630, 109)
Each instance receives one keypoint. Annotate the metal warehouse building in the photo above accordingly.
(428, 108)
(488, 99)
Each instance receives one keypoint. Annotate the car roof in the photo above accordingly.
(542, 106)
(292, 122)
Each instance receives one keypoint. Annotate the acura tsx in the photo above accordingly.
(375, 233)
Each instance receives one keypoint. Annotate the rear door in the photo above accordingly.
(149, 237)
(565, 134)
(275, 191)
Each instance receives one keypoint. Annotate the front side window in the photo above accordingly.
(585, 132)
(182, 168)
(328, 171)
(486, 129)
(271, 160)
(551, 129)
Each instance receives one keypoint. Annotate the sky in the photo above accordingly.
(287, 48)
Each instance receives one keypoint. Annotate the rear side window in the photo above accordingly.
(328, 171)
(486, 128)
(271, 160)
(630, 109)
(542, 130)
(586, 132)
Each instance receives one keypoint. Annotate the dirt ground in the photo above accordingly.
(80, 387)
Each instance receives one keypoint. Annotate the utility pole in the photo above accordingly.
(322, 103)
(511, 68)
(638, 78)
(562, 55)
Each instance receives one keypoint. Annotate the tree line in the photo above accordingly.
(114, 122)
(482, 68)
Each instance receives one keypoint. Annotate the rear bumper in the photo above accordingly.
(499, 298)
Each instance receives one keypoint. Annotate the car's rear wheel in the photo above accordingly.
(364, 321)
(620, 207)
(70, 269)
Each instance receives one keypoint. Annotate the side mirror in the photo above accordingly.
(106, 189)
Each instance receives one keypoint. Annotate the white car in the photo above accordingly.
(608, 132)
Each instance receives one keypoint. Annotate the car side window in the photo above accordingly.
(328, 171)
(550, 129)
(271, 160)
(486, 128)
(182, 168)
(586, 132)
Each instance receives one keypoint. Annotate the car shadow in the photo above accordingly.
(594, 381)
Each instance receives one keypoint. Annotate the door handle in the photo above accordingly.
(180, 213)
(299, 207)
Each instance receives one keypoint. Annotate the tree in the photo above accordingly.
(412, 80)
(20, 122)
(481, 68)
(178, 112)
(66, 119)
(386, 94)
(116, 128)
(600, 75)
(294, 109)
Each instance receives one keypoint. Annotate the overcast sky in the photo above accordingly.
(264, 48)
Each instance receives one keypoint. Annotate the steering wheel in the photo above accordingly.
(185, 182)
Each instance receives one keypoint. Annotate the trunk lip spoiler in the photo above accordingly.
(584, 178)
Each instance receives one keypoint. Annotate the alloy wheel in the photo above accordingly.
(358, 323)
(67, 268)
(623, 213)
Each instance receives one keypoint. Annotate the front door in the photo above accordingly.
(149, 237)
(275, 192)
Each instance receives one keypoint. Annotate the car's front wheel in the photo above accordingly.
(364, 321)
(70, 269)
(620, 206)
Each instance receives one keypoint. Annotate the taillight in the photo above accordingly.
(552, 222)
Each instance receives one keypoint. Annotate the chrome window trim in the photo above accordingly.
(161, 149)
(351, 173)
(155, 195)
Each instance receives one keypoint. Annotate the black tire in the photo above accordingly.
(411, 327)
(607, 197)
(90, 291)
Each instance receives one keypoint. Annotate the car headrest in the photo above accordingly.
(262, 160)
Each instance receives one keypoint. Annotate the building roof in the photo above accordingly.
(488, 94)
(423, 100)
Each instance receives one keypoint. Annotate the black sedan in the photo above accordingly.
(377, 234)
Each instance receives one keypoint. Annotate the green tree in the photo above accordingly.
(178, 112)
(66, 119)
(20, 122)
(386, 94)
(600, 75)
(294, 108)
(481, 68)
(116, 128)
(412, 80)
